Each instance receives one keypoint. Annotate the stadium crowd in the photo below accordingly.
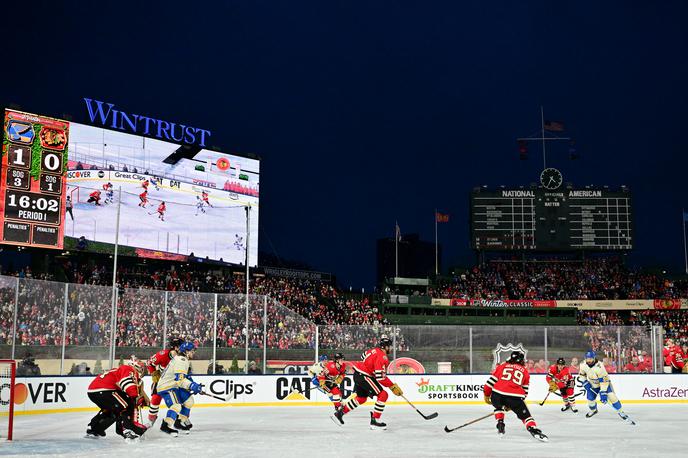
(597, 278)
(297, 303)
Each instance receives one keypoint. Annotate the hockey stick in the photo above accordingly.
(427, 417)
(214, 396)
(449, 430)
(543, 401)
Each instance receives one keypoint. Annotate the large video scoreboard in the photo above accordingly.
(32, 175)
(543, 220)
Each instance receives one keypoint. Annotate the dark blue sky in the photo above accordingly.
(369, 112)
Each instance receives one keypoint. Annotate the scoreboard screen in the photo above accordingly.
(32, 174)
(543, 220)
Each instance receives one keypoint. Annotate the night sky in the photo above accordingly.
(368, 112)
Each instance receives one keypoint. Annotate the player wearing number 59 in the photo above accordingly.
(506, 389)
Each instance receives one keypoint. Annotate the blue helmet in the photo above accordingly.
(186, 347)
(322, 358)
(590, 354)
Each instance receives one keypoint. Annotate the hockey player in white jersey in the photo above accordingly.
(594, 378)
(199, 205)
(176, 387)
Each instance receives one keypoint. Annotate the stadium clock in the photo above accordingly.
(32, 178)
(551, 179)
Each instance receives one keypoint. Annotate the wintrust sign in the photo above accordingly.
(106, 115)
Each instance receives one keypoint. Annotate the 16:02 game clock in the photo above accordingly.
(32, 180)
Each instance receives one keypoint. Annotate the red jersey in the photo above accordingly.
(331, 372)
(145, 184)
(143, 195)
(674, 357)
(374, 363)
(159, 361)
(561, 377)
(161, 208)
(508, 379)
(95, 194)
(124, 378)
(106, 186)
(204, 195)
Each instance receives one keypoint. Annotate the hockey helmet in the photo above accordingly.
(338, 356)
(136, 364)
(384, 342)
(175, 342)
(561, 362)
(186, 347)
(516, 357)
(590, 355)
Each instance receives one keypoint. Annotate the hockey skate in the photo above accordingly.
(129, 435)
(165, 428)
(500, 428)
(375, 424)
(591, 413)
(91, 434)
(626, 418)
(537, 434)
(184, 427)
(338, 417)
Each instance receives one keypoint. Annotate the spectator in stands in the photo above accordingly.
(635, 366)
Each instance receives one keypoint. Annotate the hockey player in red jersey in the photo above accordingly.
(204, 196)
(94, 197)
(506, 389)
(673, 357)
(370, 380)
(144, 199)
(331, 377)
(559, 378)
(145, 184)
(161, 211)
(156, 364)
(118, 393)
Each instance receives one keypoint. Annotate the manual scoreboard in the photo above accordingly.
(543, 220)
(32, 180)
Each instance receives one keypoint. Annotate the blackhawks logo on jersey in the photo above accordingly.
(501, 352)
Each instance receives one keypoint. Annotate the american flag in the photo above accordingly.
(554, 126)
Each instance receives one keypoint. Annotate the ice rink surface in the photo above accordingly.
(308, 431)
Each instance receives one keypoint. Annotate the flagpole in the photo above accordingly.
(436, 263)
(396, 249)
(685, 249)
(542, 121)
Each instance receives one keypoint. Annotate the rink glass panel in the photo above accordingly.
(40, 313)
(437, 348)
(8, 288)
(190, 317)
(290, 338)
(89, 329)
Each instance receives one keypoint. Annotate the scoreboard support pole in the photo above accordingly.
(685, 247)
(248, 241)
(114, 283)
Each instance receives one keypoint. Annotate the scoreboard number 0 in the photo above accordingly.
(52, 162)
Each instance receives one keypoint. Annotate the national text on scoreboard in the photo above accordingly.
(543, 220)
(32, 188)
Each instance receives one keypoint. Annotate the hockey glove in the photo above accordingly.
(396, 390)
(488, 400)
(155, 376)
(339, 380)
(603, 397)
(195, 388)
(552, 386)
